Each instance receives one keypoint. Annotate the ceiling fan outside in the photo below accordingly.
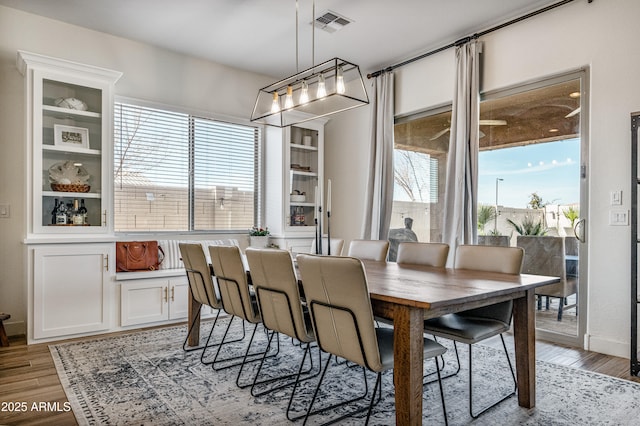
(481, 123)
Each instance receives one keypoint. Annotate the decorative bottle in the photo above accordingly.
(83, 213)
(61, 214)
(76, 217)
(54, 212)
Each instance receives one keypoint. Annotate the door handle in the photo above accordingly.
(578, 230)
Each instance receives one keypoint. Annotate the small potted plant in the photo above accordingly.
(259, 237)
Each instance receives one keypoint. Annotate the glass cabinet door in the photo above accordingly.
(69, 116)
(71, 156)
(305, 182)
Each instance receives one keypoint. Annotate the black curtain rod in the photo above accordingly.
(468, 38)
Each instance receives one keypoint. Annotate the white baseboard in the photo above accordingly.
(607, 346)
(15, 328)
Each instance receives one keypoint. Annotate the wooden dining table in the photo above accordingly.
(409, 294)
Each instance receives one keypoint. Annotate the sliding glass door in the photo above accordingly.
(531, 191)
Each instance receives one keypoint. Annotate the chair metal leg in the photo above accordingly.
(204, 347)
(560, 306)
(513, 375)
(246, 354)
(444, 407)
(297, 375)
(216, 361)
(455, 373)
(196, 320)
(315, 394)
(295, 385)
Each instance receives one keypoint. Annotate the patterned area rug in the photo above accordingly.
(145, 378)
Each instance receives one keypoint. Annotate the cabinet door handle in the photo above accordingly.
(104, 218)
(166, 294)
(106, 266)
(173, 294)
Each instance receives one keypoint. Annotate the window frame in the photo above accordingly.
(259, 166)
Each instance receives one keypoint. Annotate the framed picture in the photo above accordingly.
(70, 136)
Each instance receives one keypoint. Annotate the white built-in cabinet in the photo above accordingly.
(69, 109)
(70, 289)
(69, 119)
(295, 183)
(153, 300)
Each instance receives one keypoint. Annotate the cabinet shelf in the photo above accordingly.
(303, 147)
(72, 150)
(301, 173)
(305, 204)
(60, 194)
(58, 112)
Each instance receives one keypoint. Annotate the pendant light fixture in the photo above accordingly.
(324, 89)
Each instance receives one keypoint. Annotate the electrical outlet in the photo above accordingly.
(5, 211)
(619, 217)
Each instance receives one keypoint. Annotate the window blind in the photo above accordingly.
(177, 172)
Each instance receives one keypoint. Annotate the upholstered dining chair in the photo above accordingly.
(428, 254)
(203, 290)
(237, 299)
(546, 256)
(338, 300)
(479, 324)
(369, 249)
(337, 245)
(276, 285)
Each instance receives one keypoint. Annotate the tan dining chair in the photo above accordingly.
(337, 244)
(475, 325)
(369, 249)
(278, 293)
(237, 300)
(203, 290)
(338, 300)
(428, 254)
(545, 255)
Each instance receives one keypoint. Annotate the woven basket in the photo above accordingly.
(73, 187)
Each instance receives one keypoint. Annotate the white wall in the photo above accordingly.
(601, 35)
(149, 73)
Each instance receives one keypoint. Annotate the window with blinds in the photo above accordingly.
(179, 172)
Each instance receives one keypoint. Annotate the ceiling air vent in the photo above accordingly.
(331, 21)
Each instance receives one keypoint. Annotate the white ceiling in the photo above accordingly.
(260, 35)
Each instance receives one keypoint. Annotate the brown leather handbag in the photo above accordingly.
(138, 256)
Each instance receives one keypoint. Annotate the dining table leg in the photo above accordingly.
(408, 346)
(194, 309)
(524, 333)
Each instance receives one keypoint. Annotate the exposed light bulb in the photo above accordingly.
(275, 105)
(340, 81)
(304, 93)
(288, 99)
(322, 90)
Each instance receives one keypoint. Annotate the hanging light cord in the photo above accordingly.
(297, 67)
(313, 34)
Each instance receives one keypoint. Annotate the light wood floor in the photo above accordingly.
(27, 375)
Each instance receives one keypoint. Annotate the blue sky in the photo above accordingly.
(552, 170)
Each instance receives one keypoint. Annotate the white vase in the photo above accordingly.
(259, 241)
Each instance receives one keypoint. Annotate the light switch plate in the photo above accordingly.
(5, 211)
(619, 217)
(616, 198)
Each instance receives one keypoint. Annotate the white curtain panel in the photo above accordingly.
(460, 219)
(379, 195)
